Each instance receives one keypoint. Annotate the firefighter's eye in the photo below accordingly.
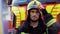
(32, 11)
(37, 11)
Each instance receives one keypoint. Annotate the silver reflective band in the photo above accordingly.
(23, 33)
(51, 22)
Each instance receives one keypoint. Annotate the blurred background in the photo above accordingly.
(14, 12)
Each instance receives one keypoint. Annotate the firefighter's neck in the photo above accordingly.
(34, 24)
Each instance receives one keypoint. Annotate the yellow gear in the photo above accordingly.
(51, 22)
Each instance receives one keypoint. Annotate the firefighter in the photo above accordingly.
(34, 23)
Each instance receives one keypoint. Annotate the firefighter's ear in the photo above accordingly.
(26, 12)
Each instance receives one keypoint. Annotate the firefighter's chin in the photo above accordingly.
(34, 20)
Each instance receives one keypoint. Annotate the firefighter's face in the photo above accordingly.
(34, 15)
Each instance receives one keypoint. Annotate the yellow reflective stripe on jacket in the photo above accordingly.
(51, 22)
(23, 33)
(46, 31)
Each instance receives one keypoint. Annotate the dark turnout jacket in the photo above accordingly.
(26, 28)
(53, 28)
